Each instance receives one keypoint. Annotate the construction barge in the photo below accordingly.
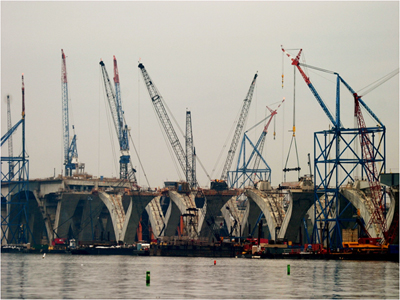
(367, 249)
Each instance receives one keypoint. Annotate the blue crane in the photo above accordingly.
(243, 172)
(70, 150)
(114, 101)
(296, 62)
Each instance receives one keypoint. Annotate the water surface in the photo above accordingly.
(124, 277)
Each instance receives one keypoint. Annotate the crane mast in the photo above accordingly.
(114, 101)
(239, 128)
(190, 152)
(10, 142)
(166, 122)
(70, 150)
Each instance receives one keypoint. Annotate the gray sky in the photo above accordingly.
(201, 56)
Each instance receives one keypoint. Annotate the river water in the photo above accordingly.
(124, 277)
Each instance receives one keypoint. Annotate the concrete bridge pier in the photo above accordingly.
(156, 216)
(270, 203)
(89, 220)
(358, 196)
(182, 204)
(299, 205)
(22, 207)
(113, 202)
(231, 215)
(137, 202)
(213, 205)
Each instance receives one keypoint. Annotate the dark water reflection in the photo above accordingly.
(123, 277)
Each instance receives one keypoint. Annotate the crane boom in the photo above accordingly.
(70, 150)
(378, 216)
(239, 128)
(122, 132)
(264, 133)
(190, 152)
(157, 100)
(114, 101)
(296, 62)
(10, 143)
(65, 115)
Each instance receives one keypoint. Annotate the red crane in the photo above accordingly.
(378, 215)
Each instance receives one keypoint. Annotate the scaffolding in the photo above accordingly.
(15, 227)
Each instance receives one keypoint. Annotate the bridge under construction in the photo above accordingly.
(94, 209)
(319, 208)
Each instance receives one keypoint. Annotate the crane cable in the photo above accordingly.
(110, 130)
(137, 154)
(378, 82)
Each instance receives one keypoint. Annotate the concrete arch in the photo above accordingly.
(179, 205)
(357, 195)
(270, 203)
(215, 201)
(137, 202)
(156, 216)
(300, 203)
(231, 214)
(271, 206)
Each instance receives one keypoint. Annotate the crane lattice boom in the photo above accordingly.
(261, 142)
(65, 116)
(10, 143)
(122, 131)
(114, 101)
(239, 128)
(378, 216)
(165, 121)
(190, 152)
(70, 149)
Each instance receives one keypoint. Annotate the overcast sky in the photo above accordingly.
(202, 56)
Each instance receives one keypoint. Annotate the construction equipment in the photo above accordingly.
(369, 156)
(114, 101)
(71, 161)
(243, 172)
(15, 225)
(221, 184)
(10, 141)
(239, 128)
(296, 62)
(183, 158)
(261, 140)
(190, 152)
(162, 114)
(378, 217)
(286, 169)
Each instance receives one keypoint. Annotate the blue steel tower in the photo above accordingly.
(333, 168)
(15, 190)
